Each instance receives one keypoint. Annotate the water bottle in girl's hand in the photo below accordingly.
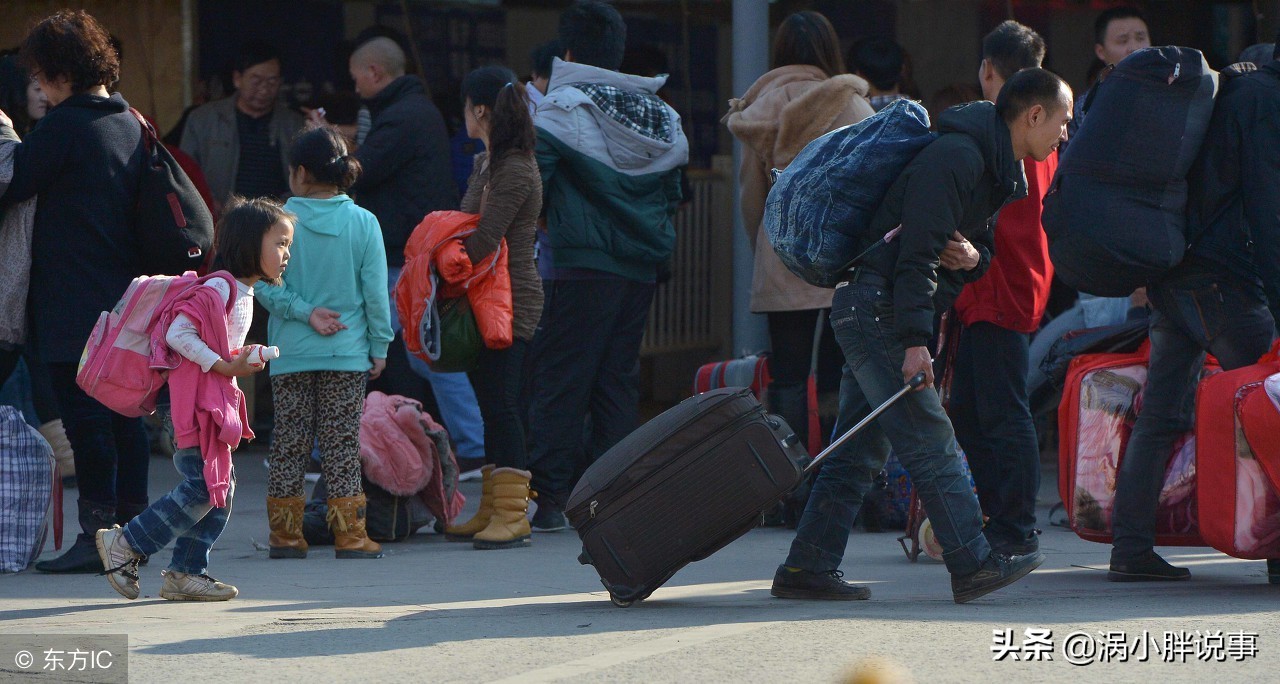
(259, 354)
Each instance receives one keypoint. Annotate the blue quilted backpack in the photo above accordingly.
(820, 208)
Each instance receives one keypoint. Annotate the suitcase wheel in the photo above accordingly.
(619, 602)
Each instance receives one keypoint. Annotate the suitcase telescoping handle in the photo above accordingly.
(913, 383)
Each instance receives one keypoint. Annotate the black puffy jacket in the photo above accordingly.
(407, 171)
(1234, 208)
(959, 182)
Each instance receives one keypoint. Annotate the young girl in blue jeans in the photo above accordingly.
(252, 244)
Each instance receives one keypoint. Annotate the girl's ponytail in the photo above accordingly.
(512, 126)
(323, 153)
(342, 171)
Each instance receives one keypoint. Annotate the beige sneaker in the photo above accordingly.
(119, 561)
(179, 586)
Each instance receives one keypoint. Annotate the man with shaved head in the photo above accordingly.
(407, 175)
(406, 154)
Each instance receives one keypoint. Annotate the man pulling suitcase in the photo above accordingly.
(883, 317)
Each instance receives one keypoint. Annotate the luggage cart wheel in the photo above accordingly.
(619, 602)
(928, 541)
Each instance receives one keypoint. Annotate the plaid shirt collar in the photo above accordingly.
(643, 113)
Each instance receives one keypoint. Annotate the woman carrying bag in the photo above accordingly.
(506, 191)
(806, 95)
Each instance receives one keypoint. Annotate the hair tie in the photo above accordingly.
(509, 85)
(335, 160)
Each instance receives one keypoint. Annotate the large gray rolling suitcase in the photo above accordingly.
(686, 484)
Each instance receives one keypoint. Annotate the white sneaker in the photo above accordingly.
(119, 561)
(180, 586)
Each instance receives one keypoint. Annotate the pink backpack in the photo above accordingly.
(116, 366)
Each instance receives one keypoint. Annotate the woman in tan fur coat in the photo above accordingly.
(806, 95)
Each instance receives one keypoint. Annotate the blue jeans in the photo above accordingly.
(916, 428)
(459, 409)
(1196, 309)
(184, 514)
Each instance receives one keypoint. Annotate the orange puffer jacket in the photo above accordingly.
(436, 246)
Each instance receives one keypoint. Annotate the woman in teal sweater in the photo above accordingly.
(332, 322)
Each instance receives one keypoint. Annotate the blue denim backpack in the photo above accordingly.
(819, 211)
(1115, 214)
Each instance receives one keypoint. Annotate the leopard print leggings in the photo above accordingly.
(310, 406)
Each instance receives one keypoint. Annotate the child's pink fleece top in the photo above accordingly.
(207, 408)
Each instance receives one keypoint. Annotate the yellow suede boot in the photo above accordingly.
(480, 520)
(508, 527)
(346, 519)
(56, 435)
(285, 518)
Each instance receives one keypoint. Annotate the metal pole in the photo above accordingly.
(750, 61)
(188, 52)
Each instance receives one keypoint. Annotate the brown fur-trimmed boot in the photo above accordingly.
(509, 526)
(285, 518)
(479, 521)
(346, 519)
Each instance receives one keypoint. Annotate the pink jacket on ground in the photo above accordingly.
(404, 451)
(208, 408)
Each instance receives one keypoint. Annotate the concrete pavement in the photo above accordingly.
(443, 612)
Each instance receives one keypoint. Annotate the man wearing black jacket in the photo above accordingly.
(883, 315)
(1222, 299)
(406, 172)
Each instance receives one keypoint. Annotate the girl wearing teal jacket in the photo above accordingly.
(332, 322)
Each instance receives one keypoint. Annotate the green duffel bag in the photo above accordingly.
(460, 341)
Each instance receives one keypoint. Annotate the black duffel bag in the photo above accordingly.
(1115, 213)
(388, 518)
(171, 221)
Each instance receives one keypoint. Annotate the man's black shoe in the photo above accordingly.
(795, 583)
(997, 572)
(1149, 567)
(548, 518)
(1273, 570)
(1025, 547)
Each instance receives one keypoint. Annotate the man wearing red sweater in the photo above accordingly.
(989, 406)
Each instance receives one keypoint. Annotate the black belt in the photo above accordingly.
(864, 276)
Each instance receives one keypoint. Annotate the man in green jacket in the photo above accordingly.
(610, 151)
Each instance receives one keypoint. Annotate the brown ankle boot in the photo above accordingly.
(479, 521)
(285, 518)
(508, 527)
(346, 519)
